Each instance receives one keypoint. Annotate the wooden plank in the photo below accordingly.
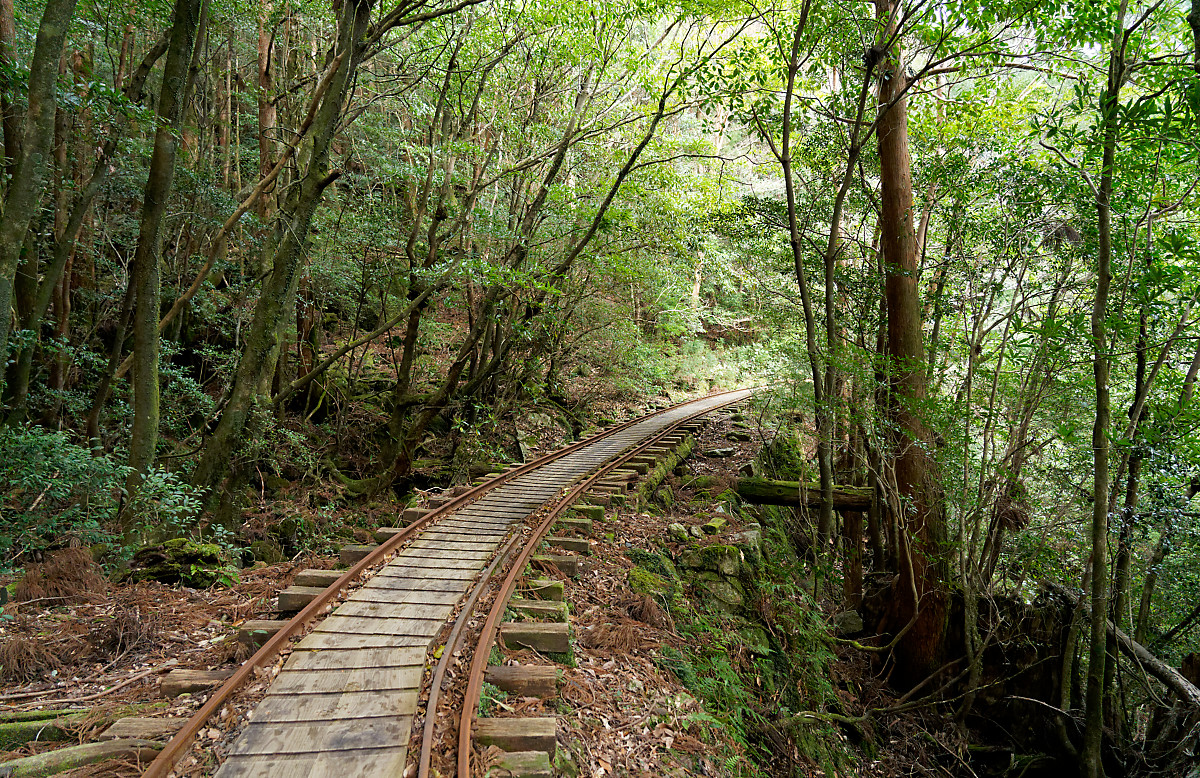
(393, 610)
(304, 737)
(475, 555)
(406, 596)
(474, 523)
(179, 682)
(350, 764)
(350, 625)
(524, 680)
(255, 632)
(425, 573)
(160, 729)
(354, 553)
(433, 560)
(467, 535)
(518, 734)
(294, 598)
(387, 583)
(353, 658)
(453, 545)
(320, 578)
(347, 679)
(578, 545)
(546, 637)
(335, 705)
(543, 610)
(325, 640)
(491, 513)
(522, 764)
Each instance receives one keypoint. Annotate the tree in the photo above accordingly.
(920, 609)
(145, 279)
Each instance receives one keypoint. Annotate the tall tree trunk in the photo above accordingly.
(1090, 763)
(286, 251)
(9, 122)
(267, 113)
(921, 602)
(145, 278)
(33, 159)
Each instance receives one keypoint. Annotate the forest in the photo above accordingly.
(271, 270)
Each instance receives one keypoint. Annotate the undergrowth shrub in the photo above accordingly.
(54, 493)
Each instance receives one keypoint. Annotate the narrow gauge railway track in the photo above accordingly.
(344, 702)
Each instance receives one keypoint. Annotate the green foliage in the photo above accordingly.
(55, 492)
(163, 505)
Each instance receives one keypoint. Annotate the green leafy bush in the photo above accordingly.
(54, 491)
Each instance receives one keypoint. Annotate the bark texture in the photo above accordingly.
(921, 596)
(145, 277)
(34, 154)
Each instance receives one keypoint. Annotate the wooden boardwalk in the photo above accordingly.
(343, 705)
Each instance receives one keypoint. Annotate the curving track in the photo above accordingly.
(343, 704)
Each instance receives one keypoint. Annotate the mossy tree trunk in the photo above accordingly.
(145, 277)
(284, 254)
(32, 152)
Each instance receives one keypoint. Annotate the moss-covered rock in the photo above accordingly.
(722, 559)
(181, 561)
(660, 587)
(658, 564)
(267, 551)
(665, 497)
(755, 640)
(720, 593)
(750, 541)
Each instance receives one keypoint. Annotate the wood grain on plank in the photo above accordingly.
(352, 764)
(359, 679)
(306, 737)
(421, 573)
(393, 610)
(407, 596)
(331, 640)
(403, 583)
(354, 657)
(350, 625)
(336, 705)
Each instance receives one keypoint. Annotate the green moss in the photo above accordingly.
(678, 664)
(266, 551)
(652, 562)
(489, 698)
(644, 582)
(726, 560)
(185, 562)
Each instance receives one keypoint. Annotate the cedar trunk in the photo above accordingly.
(921, 596)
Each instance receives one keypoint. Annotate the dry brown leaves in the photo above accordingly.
(68, 575)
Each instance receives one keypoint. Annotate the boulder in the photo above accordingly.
(266, 551)
(658, 564)
(755, 640)
(750, 541)
(182, 561)
(652, 585)
(847, 623)
(677, 532)
(722, 559)
(722, 594)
